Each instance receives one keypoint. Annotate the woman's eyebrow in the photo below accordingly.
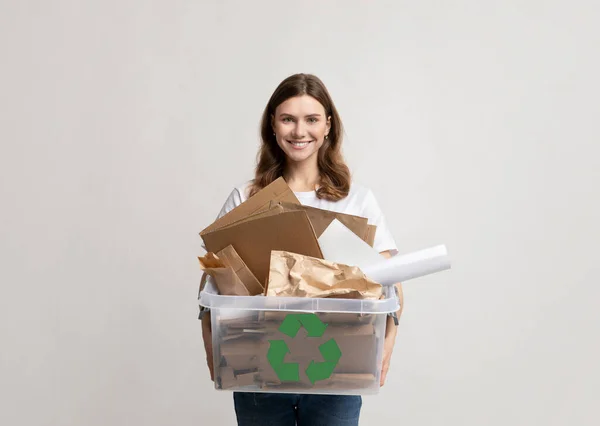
(285, 114)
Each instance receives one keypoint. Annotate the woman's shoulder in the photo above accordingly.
(240, 191)
(237, 196)
(364, 197)
(360, 191)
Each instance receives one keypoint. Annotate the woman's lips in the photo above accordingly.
(298, 144)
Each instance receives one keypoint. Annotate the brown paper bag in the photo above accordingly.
(226, 280)
(232, 260)
(295, 275)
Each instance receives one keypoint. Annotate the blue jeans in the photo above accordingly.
(273, 409)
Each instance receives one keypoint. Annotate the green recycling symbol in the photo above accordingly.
(315, 371)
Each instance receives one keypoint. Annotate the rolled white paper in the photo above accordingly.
(408, 266)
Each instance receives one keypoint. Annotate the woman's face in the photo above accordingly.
(300, 126)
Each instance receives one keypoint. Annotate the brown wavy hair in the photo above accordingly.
(335, 177)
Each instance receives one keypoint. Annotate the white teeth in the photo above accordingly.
(299, 144)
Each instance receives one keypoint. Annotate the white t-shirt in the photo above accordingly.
(359, 202)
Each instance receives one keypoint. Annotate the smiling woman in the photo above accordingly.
(301, 134)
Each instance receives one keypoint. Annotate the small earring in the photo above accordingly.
(326, 136)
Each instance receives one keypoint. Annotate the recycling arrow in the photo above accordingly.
(315, 371)
(319, 370)
(322, 370)
(293, 322)
(276, 354)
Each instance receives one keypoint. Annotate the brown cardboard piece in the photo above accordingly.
(243, 347)
(241, 362)
(255, 239)
(277, 190)
(353, 380)
(354, 360)
(321, 219)
(267, 375)
(349, 330)
(370, 238)
(232, 260)
(268, 211)
(246, 379)
(226, 377)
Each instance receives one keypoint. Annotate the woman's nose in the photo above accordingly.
(299, 130)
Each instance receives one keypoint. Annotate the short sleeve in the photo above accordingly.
(234, 200)
(383, 237)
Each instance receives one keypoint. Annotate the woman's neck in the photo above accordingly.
(302, 177)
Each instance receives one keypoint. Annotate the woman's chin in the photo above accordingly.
(299, 157)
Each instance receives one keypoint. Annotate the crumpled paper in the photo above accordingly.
(295, 275)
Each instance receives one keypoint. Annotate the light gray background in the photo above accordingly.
(125, 124)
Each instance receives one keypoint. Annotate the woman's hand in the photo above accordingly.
(207, 336)
(390, 331)
(388, 348)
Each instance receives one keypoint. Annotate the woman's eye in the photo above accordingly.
(287, 119)
(312, 120)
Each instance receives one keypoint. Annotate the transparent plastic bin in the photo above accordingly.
(297, 345)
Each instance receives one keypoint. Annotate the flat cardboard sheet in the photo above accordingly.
(255, 239)
(278, 190)
(321, 219)
(269, 210)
